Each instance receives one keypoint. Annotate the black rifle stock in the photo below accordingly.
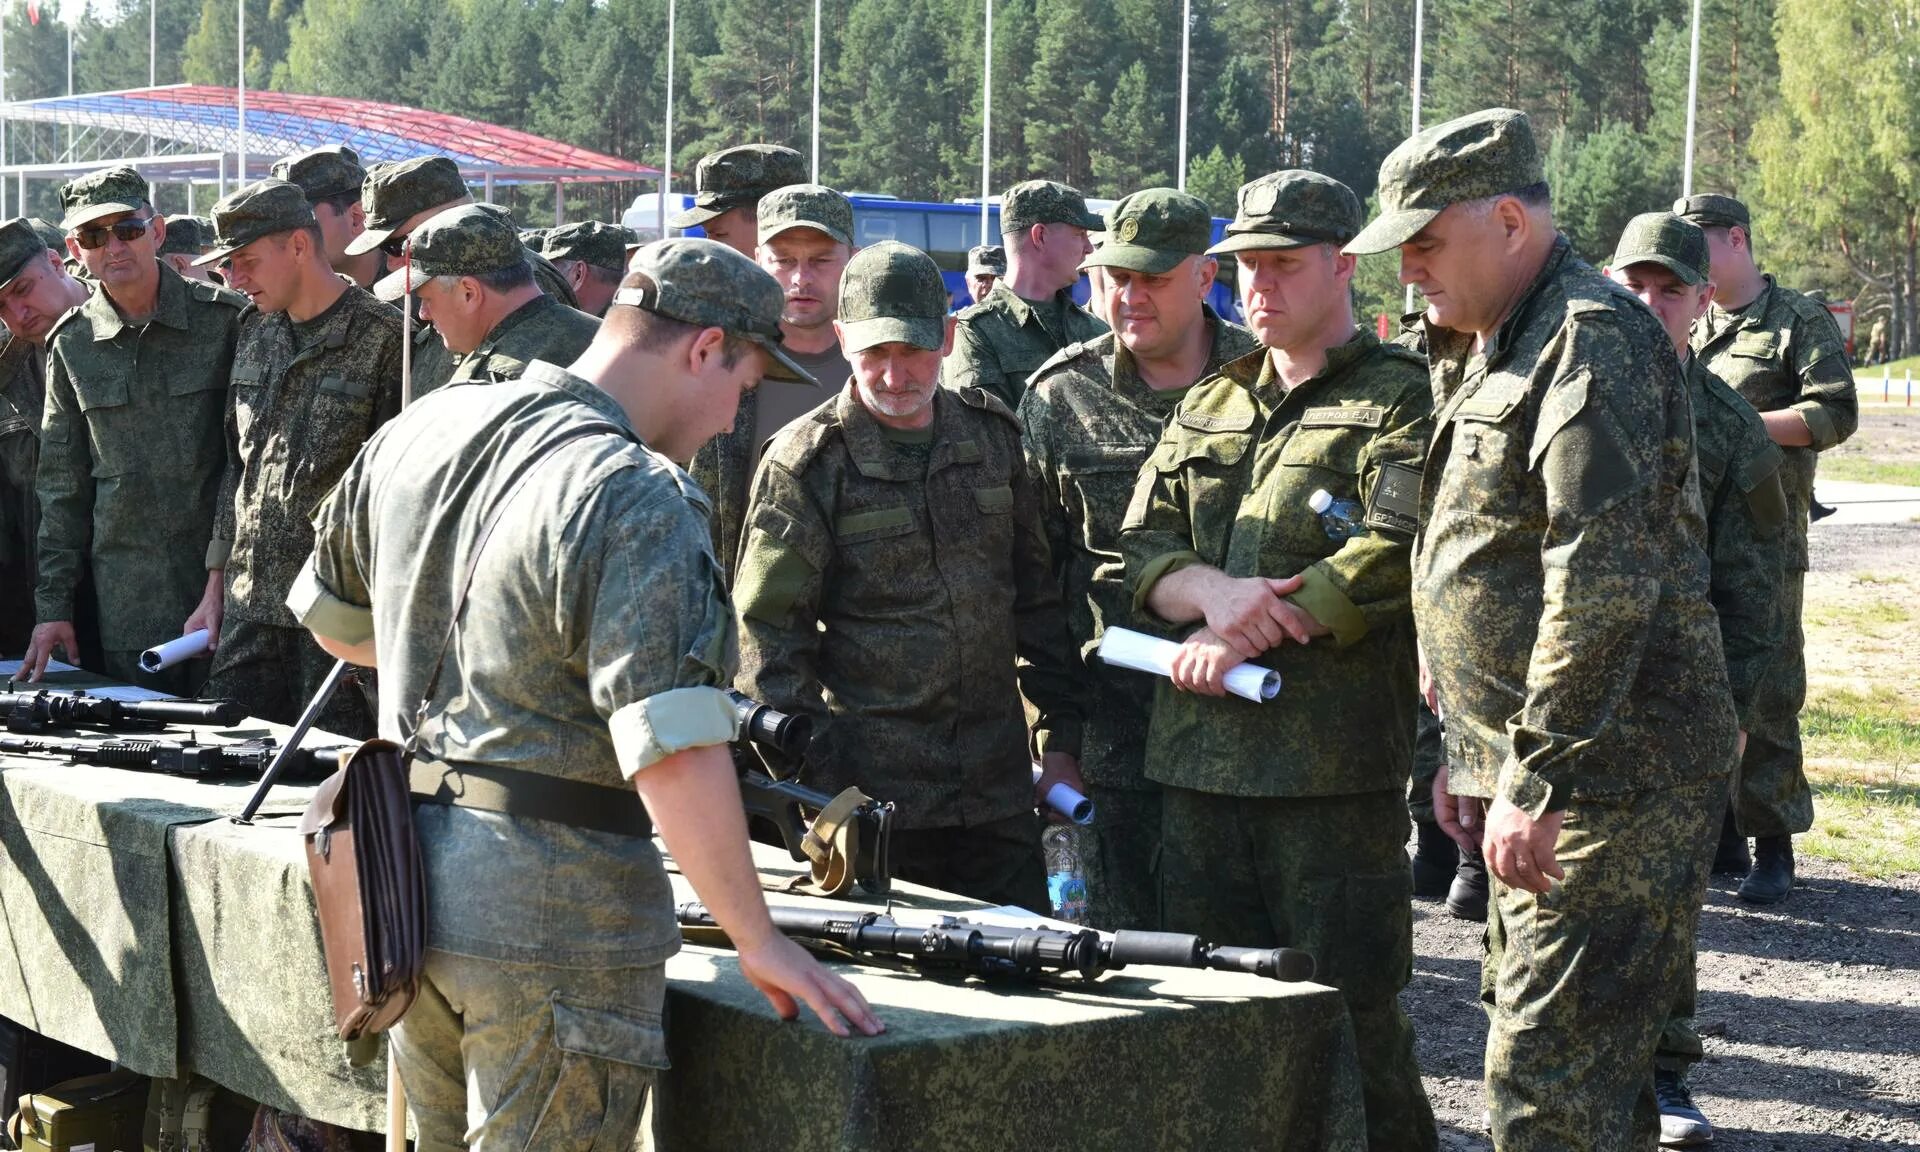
(172, 757)
(34, 712)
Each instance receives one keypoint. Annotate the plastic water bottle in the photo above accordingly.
(1066, 883)
(1341, 519)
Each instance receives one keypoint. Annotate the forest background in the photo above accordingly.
(1808, 109)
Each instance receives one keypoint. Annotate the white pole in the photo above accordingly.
(1419, 43)
(3, 119)
(1693, 102)
(986, 127)
(152, 24)
(816, 91)
(666, 155)
(69, 82)
(1186, 51)
(241, 91)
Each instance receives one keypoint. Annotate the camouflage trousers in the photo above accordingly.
(1120, 853)
(274, 671)
(1327, 874)
(499, 1056)
(1579, 983)
(999, 862)
(1428, 755)
(1771, 795)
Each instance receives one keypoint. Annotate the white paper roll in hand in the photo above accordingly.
(1067, 800)
(1144, 653)
(164, 656)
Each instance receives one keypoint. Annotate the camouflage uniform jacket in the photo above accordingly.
(1784, 351)
(296, 416)
(541, 329)
(889, 595)
(1002, 341)
(131, 457)
(1746, 509)
(598, 578)
(551, 280)
(1560, 574)
(1227, 486)
(1088, 422)
(23, 391)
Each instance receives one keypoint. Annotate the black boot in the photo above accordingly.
(1817, 511)
(1772, 875)
(1435, 856)
(1731, 858)
(1467, 899)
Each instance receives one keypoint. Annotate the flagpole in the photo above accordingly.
(1693, 102)
(666, 157)
(986, 127)
(241, 92)
(1419, 42)
(1186, 52)
(816, 91)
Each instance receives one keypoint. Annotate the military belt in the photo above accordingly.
(528, 795)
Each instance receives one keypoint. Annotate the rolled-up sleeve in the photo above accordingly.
(332, 596)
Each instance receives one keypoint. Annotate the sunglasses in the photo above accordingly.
(394, 246)
(127, 231)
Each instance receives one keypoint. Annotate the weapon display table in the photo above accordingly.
(144, 926)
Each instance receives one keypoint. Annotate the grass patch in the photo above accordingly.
(1866, 470)
(1877, 618)
(1877, 727)
(1873, 830)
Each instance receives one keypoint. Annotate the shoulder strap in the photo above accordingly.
(473, 565)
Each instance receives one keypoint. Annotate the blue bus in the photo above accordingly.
(943, 231)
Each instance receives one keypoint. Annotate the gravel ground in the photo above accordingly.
(1811, 1012)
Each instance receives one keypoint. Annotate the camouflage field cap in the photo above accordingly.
(1292, 209)
(395, 193)
(704, 282)
(108, 192)
(736, 177)
(265, 208)
(595, 243)
(470, 240)
(814, 206)
(333, 170)
(1151, 231)
(986, 260)
(19, 245)
(51, 234)
(1673, 242)
(187, 236)
(892, 293)
(1044, 202)
(1712, 211)
(1471, 158)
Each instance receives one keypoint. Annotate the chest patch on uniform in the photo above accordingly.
(1345, 416)
(1215, 422)
(1396, 499)
(967, 452)
(358, 389)
(1757, 344)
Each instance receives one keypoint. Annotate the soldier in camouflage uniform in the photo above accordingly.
(470, 272)
(986, 266)
(806, 239)
(188, 238)
(1285, 823)
(1560, 587)
(131, 451)
(35, 291)
(593, 257)
(1663, 260)
(332, 177)
(590, 653)
(317, 369)
(1030, 314)
(1088, 420)
(1783, 354)
(727, 188)
(893, 583)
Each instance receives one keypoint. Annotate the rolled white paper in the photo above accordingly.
(1067, 800)
(1144, 653)
(164, 656)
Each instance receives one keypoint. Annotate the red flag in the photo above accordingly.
(33, 12)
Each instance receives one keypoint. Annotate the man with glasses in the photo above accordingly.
(132, 450)
(35, 291)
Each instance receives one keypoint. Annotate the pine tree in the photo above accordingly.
(1216, 179)
(1133, 139)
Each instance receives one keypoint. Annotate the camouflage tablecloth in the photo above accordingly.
(143, 926)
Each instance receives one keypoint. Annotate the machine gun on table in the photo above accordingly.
(36, 712)
(835, 835)
(246, 758)
(993, 950)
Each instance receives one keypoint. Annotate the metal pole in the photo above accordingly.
(986, 127)
(69, 155)
(666, 152)
(1419, 43)
(152, 23)
(3, 119)
(816, 91)
(1186, 52)
(241, 94)
(1693, 102)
